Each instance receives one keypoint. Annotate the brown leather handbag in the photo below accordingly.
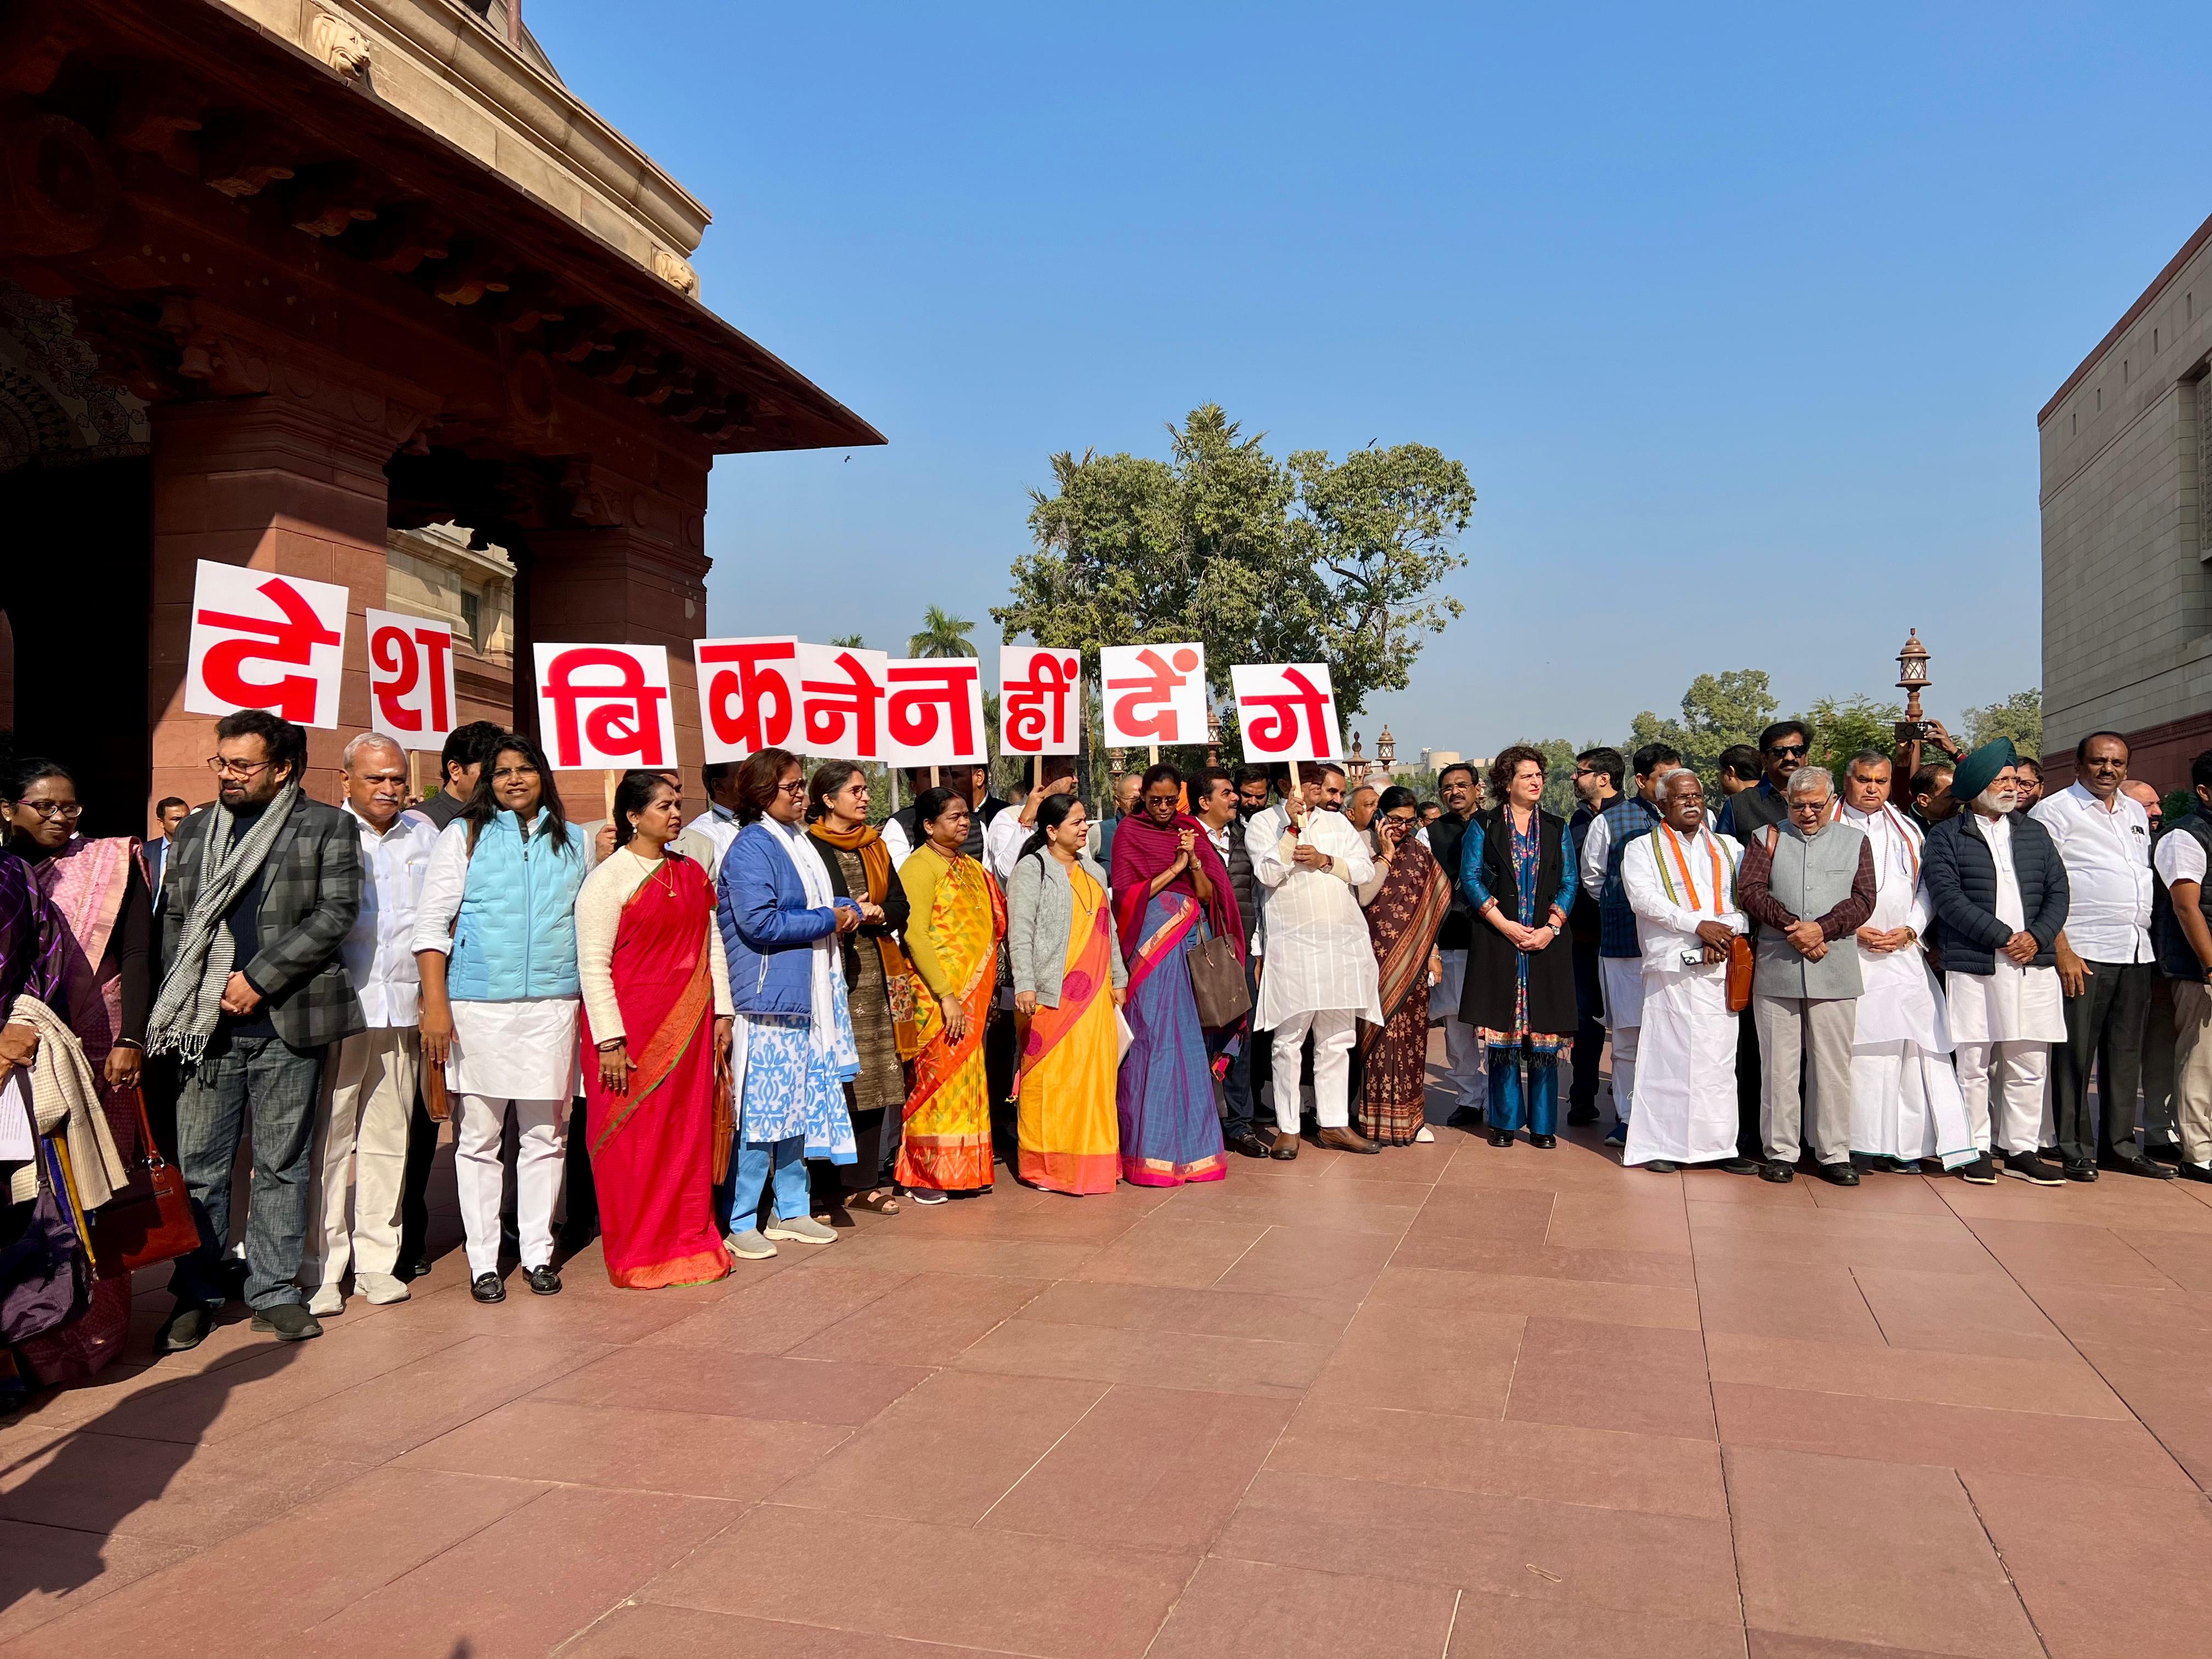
(1740, 964)
(131, 1232)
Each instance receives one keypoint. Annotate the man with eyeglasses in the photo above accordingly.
(260, 894)
(2106, 960)
(1466, 1059)
(1782, 749)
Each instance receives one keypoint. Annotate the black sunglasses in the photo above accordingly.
(1784, 751)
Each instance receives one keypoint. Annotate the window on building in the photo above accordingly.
(472, 619)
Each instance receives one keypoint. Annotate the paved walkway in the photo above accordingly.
(1447, 1401)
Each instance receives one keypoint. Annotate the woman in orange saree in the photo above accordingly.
(656, 1010)
(957, 919)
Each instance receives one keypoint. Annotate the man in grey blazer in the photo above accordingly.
(1809, 882)
(261, 890)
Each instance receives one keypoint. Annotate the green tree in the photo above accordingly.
(942, 635)
(1841, 730)
(2019, 717)
(1718, 711)
(1303, 560)
(849, 642)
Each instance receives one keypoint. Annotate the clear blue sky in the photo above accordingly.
(1739, 317)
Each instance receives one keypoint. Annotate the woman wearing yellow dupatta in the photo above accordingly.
(957, 919)
(1068, 979)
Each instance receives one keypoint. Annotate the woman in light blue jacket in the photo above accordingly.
(496, 937)
(792, 1051)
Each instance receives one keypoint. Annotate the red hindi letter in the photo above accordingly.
(1157, 686)
(291, 641)
(390, 651)
(749, 702)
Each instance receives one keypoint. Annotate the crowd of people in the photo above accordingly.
(712, 1033)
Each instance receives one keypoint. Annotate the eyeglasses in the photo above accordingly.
(1785, 750)
(224, 768)
(796, 787)
(53, 809)
(1403, 820)
(1815, 807)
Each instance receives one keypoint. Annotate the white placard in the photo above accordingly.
(263, 640)
(605, 706)
(748, 693)
(1287, 711)
(1040, 701)
(410, 679)
(933, 712)
(841, 700)
(18, 1140)
(1153, 694)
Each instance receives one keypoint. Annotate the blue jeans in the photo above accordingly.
(1506, 1103)
(755, 1161)
(282, 1088)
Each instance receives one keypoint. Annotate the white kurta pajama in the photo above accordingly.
(1685, 1099)
(2002, 1024)
(1320, 975)
(1905, 1102)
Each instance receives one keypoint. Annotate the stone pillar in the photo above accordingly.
(641, 582)
(289, 481)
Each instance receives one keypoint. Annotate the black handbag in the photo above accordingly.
(1216, 980)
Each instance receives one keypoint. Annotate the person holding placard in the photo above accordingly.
(958, 917)
(793, 1050)
(495, 940)
(1068, 979)
(1166, 876)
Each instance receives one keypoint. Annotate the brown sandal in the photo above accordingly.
(881, 1202)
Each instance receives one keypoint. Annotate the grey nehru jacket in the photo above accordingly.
(1810, 878)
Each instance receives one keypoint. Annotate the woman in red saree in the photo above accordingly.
(656, 1010)
(98, 890)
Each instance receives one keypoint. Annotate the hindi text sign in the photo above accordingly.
(841, 701)
(748, 693)
(262, 640)
(410, 679)
(1040, 701)
(1287, 711)
(1153, 694)
(933, 712)
(605, 706)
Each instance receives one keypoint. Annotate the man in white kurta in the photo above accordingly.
(1680, 879)
(1906, 1103)
(1320, 975)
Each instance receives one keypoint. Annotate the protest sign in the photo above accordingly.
(262, 640)
(1153, 694)
(410, 679)
(605, 706)
(841, 700)
(1040, 701)
(1287, 711)
(748, 693)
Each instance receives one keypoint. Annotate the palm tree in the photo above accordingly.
(849, 642)
(942, 635)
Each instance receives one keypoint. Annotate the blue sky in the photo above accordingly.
(1739, 317)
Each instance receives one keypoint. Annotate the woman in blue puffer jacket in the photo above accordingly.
(792, 1051)
(496, 937)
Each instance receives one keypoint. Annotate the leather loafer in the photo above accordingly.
(2079, 1169)
(1737, 1166)
(1282, 1147)
(1982, 1171)
(1543, 1143)
(1246, 1142)
(1578, 1115)
(1501, 1136)
(184, 1329)
(1839, 1175)
(2136, 1166)
(1781, 1173)
(1662, 1166)
(486, 1287)
(543, 1281)
(2187, 1171)
(1345, 1139)
(2164, 1152)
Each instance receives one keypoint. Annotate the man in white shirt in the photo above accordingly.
(368, 1087)
(2182, 933)
(1320, 975)
(1680, 881)
(1005, 835)
(2106, 964)
(707, 837)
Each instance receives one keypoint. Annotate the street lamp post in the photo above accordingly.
(1913, 679)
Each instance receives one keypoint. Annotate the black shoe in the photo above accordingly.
(418, 1268)
(1543, 1143)
(1465, 1117)
(1982, 1171)
(1780, 1173)
(1737, 1166)
(2080, 1168)
(1662, 1166)
(186, 1328)
(543, 1281)
(1501, 1136)
(2164, 1152)
(1582, 1113)
(2187, 1171)
(486, 1287)
(288, 1322)
(2136, 1166)
(2026, 1166)
(1247, 1143)
(1839, 1175)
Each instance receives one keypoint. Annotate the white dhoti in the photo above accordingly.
(1685, 1105)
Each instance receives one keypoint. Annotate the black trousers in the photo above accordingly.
(1590, 1028)
(2160, 1127)
(415, 1188)
(2104, 1028)
(1244, 1085)
(1750, 1091)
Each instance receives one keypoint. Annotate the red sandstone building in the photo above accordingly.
(285, 282)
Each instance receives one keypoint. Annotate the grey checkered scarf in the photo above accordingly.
(190, 1002)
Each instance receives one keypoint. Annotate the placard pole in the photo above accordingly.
(611, 778)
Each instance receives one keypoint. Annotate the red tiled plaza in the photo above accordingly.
(1450, 1400)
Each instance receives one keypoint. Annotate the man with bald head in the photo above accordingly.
(358, 1167)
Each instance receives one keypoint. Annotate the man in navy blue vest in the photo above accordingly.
(1619, 957)
(1598, 774)
(2181, 929)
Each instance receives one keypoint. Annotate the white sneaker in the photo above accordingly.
(327, 1299)
(751, 1244)
(381, 1288)
(802, 1230)
(1424, 1136)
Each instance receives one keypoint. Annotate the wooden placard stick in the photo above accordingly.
(611, 778)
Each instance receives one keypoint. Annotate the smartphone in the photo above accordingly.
(1695, 959)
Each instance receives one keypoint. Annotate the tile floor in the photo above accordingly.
(1449, 1401)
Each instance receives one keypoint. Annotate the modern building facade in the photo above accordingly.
(2127, 543)
(280, 278)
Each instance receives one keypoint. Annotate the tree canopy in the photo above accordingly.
(942, 635)
(2019, 717)
(1303, 560)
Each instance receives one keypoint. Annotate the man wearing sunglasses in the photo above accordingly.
(1782, 749)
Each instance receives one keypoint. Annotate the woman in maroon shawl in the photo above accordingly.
(1165, 873)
